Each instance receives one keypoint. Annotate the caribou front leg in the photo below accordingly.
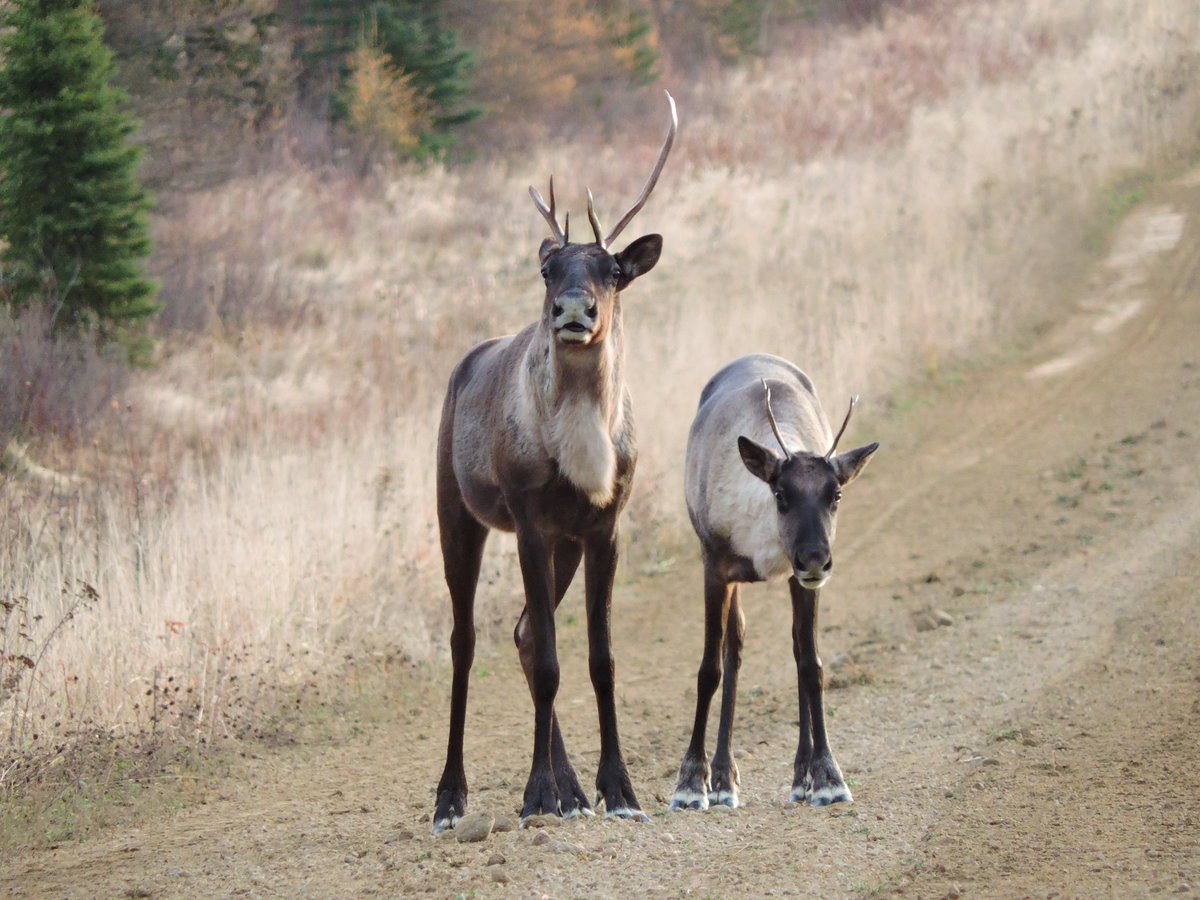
(541, 791)
(724, 789)
(462, 540)
(572, 799)
(612, 779)
(817, 778)
(692, 789)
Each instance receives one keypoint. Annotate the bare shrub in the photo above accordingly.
(52, 385)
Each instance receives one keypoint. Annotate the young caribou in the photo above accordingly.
(537, 437)
(761, 515)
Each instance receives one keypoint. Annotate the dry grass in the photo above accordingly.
(263, 502)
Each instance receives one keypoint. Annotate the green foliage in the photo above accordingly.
(72, 212)
(413, 36)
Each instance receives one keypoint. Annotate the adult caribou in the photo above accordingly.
(537, 437)
(761, 515)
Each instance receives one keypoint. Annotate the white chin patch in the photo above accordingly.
(812, 584)
(574, 337)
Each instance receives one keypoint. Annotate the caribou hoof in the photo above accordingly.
(685, 798)
(692, 789)
(728, 797)
(450, 808)
(541, 797)
(823, 785)
(629, 813)
(444, 824)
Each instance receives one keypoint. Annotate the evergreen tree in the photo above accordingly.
(417, 42)
(72, 212)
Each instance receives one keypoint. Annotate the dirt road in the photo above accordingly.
(1036, 737)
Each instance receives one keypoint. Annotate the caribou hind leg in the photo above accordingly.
(816, 778)
(725, 779)
(692, 789)
(612, 778)
(463, 538)
(572, 799)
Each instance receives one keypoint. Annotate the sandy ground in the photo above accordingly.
(1037, 737)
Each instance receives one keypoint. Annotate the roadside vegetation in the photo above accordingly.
(193, 544)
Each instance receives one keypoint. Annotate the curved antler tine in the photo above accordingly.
(653, 180)
(596, 229)
(566, 228)
(548, 212)
(775, 425)
(845, 422)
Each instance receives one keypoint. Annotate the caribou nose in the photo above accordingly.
(575, 302)
(814, 564)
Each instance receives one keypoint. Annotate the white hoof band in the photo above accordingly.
(829, 795)
(689, 800)
(625, 812)
(444, 824)
(723, 798)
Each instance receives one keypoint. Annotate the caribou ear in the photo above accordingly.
(638, 258)
(762, 462)
(849, 465)
(548, 247)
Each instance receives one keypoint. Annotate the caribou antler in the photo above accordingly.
(845, 422)
(775, 425)
(653, 180)
(561, 234)
(548, 213)
(596, 229)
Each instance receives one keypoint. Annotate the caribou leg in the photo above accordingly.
(462, 538)
(816, 777)
(691, 791)
(572, 798)
(612, 778)
(541, 790)
(724, 770)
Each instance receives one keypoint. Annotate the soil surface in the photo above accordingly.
(1011, 655)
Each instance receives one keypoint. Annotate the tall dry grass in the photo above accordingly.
(264, 502)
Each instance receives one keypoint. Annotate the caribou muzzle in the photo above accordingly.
(574, 316)
(813, 567)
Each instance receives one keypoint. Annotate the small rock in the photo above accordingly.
(943, 618)
(989, 761)
(496, 859)
(504, 822)
(924, 622)
(541, 822)
(541, 839)
(500, 876)
(474, 827)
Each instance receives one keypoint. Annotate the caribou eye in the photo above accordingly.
(614, 275)
(837, 495)
(780, 501)
(546, 273)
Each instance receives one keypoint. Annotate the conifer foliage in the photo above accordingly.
(72, 212)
